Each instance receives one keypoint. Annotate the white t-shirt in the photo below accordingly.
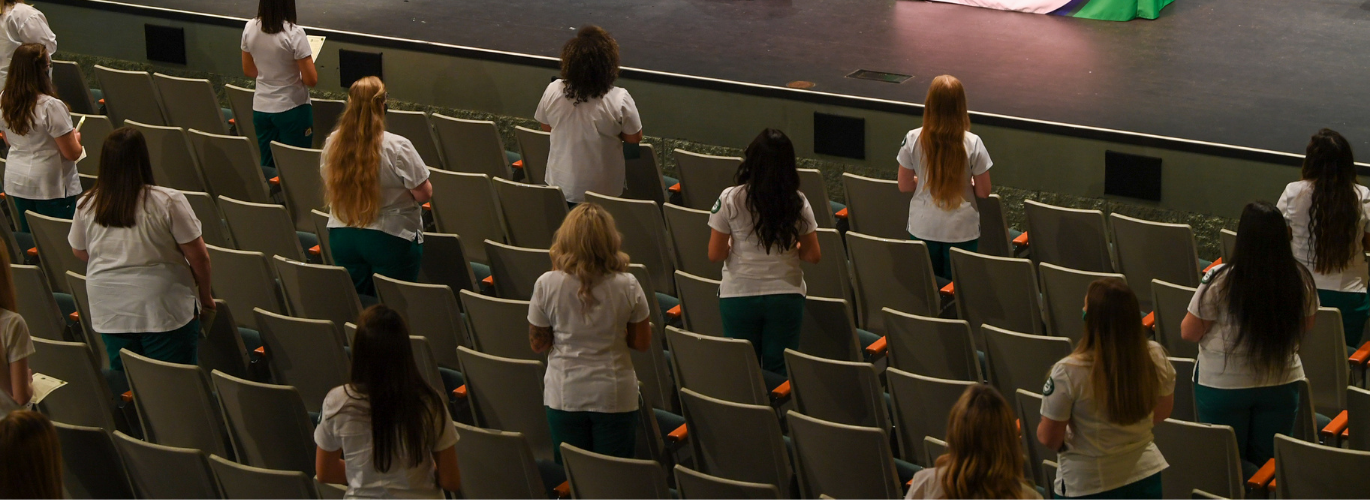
(1100, 455)
(35, 168)
(279, 86)
(1221, 364)
(1296, 203)
(587, 153)
(401, 170)
(749, 270)
(589, 367)
(929, 222)
(22, 24)
(927, 483)
(15, 344)
(137, 278)
(346, 426)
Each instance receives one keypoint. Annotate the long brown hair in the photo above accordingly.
(125, 174)
(274, 14)
(589, 64)
(1126, 382)
(404, 408)
(352, 173)
(984, 457)
(1335, 211)
(943, 140)
(30, 457)
(8, 299)
(587, 247)
(27, 81)
(772, 180)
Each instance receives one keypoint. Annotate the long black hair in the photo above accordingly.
(589, 64)
(769, 173)
(1265, 290)
(1335, 211)
(404, 409)
(274, 14)
(125, 173)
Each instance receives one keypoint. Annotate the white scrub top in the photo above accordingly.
(279, 86)
(587, 153)
(1221, 363)
(749, 270)
(929, 222)
(346, 426)
(35, 168)
(16, 345)
(402, 170)
(1296, 203)
(22, 24)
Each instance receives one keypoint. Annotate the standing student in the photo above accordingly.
(1328, 214)
(30, 457)
(589, 118)
(589, 310)
(984, 457)
(761, 229)
(20, 23)
(276, 52)
(386, 433)
(376, 184)
(946, 168)
(147, 269)
(1109, 393)
(15, 345)
(40, 173)
(1248, 317)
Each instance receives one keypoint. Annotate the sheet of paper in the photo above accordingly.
(44, 385)
(315, 44)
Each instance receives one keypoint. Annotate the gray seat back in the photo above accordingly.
(1170, 304)
(694, 484)
(472, 146)
(150, 465)
(1310, 470)
(190, 103)
(1201, 456)
(431, 311)
(532, 214)
(1228, 239)
(173, 161)
(828, 330)
(719, 367)
(54, 253)
(445, 262)
(844, 392)
(230, 167)
(643, 176)
(932, 347)
(301, 182)
(497, 464)
(86, 399)
(1068, 237)
(736, 441)
(36, 303)
(268, 423)
(240, 101)
(690, 235)
(212, 226)
(593, 475)
(506, 394)
(876, 207)
(644, 236)
(842, 461)
(317, 291)
(498, 326)
(175, 404)
(221, 347)
(413, 125)
(245, 280)
(516, 269)
(94, 340)
(94, 130)
(921, 406)
(704, 177)
(534, 148)
(1153, 250)
(1021, 361)
(320, 220)
(1063, 297)
(1028, 405)
(831, 276)
(1323, 351)
(1358, 423)
(891, 273)
(999, 291)
(244, 481)
(306, 354)
(699, 304)
(423, 359)
(815, 189)
(326, 114)
(652, 368)
(71, 85)
(91, 465)
(130, 95)
(464, 204)
(262, 227)
(994, 235)
(1185, 407)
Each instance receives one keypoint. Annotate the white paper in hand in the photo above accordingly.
(44, 385)
(315, 44)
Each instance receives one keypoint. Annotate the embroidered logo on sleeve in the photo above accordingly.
(717, 205)
(1049, 388)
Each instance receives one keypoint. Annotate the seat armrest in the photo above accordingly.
(842, 214)
(1263, 478)
(949, 290)
(781, 391)
(460, 392)
(1336, 428)
(1361, 356)
(563, 490)
(75, 316)
(517, 164)
(1021, 240)
(274, 181)
(679, 435)
(316, 250)
(1215, 263)
(675, 188)
(1149, 322)
(33, 252)
(127, 396)
(879, 347)
(489, 280)
(674, 312)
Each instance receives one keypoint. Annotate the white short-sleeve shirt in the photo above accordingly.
(927, 483)
(589, 367)
(1221, 363)
(1100, 455)
(346, 426)
(749, 270)
(21, 24)
(401, 170)
(587, 153)
(35, 168)
(137, 278)
(16, 344)
(1296, 203)
(929, 222)
(279, 85)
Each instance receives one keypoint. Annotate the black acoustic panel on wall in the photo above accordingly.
(842, 136)
(165, 44)
(1133, 176)
(353, 66)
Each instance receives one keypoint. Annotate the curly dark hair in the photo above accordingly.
(589, 64)
(1335, 210)
(768, 171)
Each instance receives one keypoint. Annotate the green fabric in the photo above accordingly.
(940, 253)
(613, 434)
(176, 346)
(294, 127)
(1355, 309)
(1121, 10)
(770, 322)
(61, 208)
(1149, 487)
(364, 252)
(1255, 414)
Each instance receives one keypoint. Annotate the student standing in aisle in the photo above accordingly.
(20, 23)
(589, 118)
(589, 310)
(762, 228)
(1249, 316)
(946, 168)
(1328, 214)
(276, 52)
(40, 172)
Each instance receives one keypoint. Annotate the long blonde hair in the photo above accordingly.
(1126, 382)
(945, 122)
(984, 458)
(352, 173)
(8, 298)
(587, 247)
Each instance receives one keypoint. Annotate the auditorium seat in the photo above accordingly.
(465, 204)
(326, 115)
(70, 82)
(1201, 456)
(995, 236)
(699, 303)
(876, 207)
(244, 279)
(264, 227)
(36, 304)
(831, 276)
(1063, 293)
(50, 237)
(190, 103)
(815, 189)
(130, 95)
(160, 471)
(690, 235)
(91, 464)
(230, 166)
(644, 236)
(320, 222)
(445, 263)
(534, 148)
(933, 448)
(1068, 237)
(471, 146)
(243, 481)
(317, 291)
(212, 226)
(894, 273)
(268, 424)
(499, 327)
(532, 213)
(86, 399)
(94, 130)
(17, 250)
(430, 311)
(428, 368)
(921, 405)
(175, 404)
(1358, 419)
(931, 347)
(737, 441)
(516, 270)
(1148, 250)
(413, 125)
(842, 461)
(500, 464)
(1310, 470)
(173, 163)
(1000, 291)
(694, 484)
(828, 331)
(306, 354)
(1170, 304)
(1228, 238)
(703, 177)
(841, 392)
(643, 175)
(506, 394)
(1323, 351)
(651, 366)
(1019, 360)
(240, 101)
(593, 475)
(301, 183)
(222, 347)
(1028, 405)
(94, 340)
(1184, 408)
(723, 368)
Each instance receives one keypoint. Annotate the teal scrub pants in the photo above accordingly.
(293, 127)
(177, 346)
(61, 208)
(1149, 487)
(365, 252)
(1355, 309)
(1255, 414)
(940, 253)
(613, 434)
(770, 322)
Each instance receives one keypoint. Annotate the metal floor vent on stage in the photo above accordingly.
(879, 76)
